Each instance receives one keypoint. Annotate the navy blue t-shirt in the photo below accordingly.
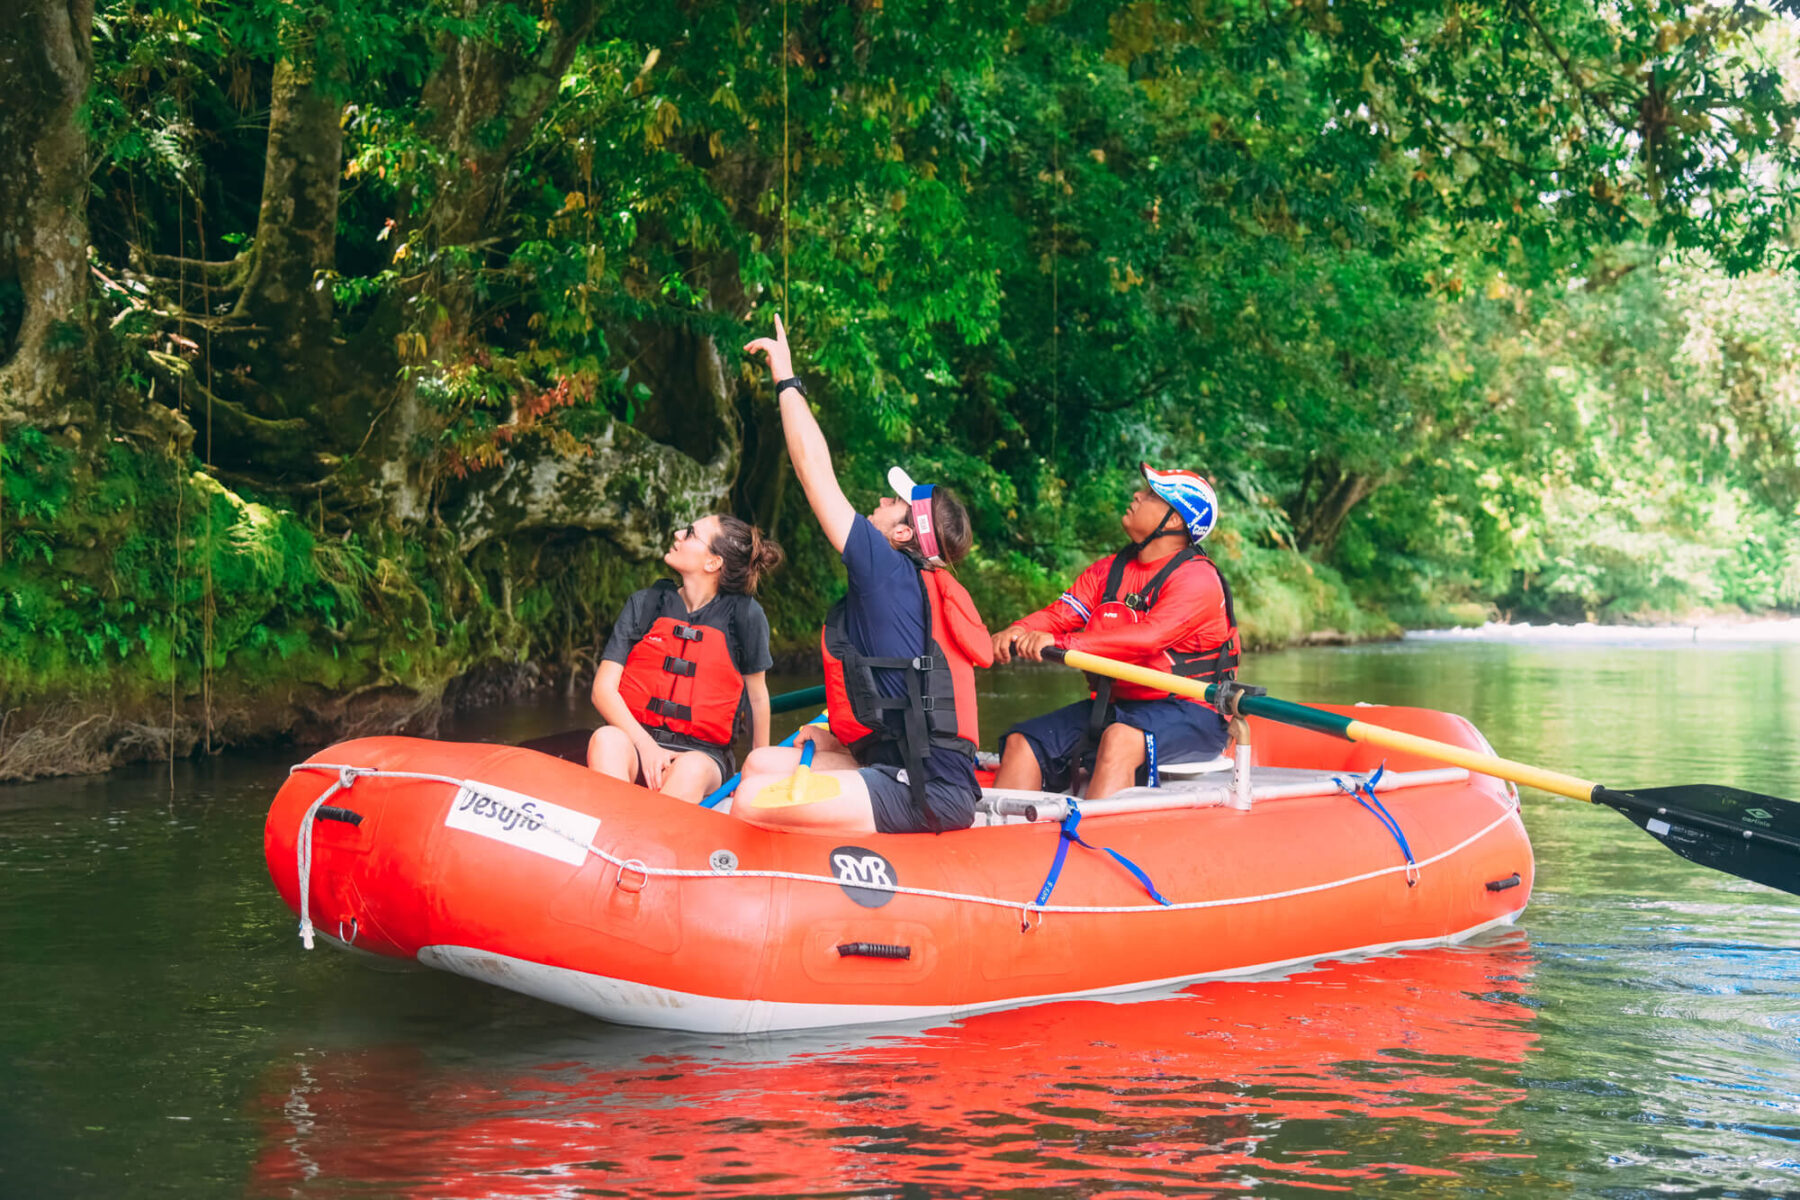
(885, 616)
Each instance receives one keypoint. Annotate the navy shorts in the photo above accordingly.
(1184, 731)
(950, 793)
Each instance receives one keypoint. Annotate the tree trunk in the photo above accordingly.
(45, 332)
(296, 237)
(483, 103)
(1318, 524)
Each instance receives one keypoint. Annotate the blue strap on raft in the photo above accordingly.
(1366, 787)
(730, 785)
(1068, 835)
(1150, 757)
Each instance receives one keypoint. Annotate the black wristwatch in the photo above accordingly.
(792, 382)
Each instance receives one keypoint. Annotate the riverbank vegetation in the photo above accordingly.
(351, 350)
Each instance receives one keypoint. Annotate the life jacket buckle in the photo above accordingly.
(1135, 602)
(925, 662)
(689, 633)
(663, 707)
(680, 666)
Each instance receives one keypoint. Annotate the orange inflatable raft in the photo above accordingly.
(514, 867)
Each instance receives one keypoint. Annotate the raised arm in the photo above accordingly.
(806, 443)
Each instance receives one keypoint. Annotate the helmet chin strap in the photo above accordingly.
(1162, 530)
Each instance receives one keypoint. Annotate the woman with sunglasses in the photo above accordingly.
(683, 670)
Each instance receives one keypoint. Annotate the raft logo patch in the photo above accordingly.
(523, 821)
(864, 875)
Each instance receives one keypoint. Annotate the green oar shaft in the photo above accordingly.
(810, 697)
(1337, 725)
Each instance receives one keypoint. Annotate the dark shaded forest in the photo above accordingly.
(360, 355)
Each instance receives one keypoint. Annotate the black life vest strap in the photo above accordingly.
(680, 666)
(1153, 589)
(1221, 662)
(915, 736)
(1100, 714)
(918, 736)
(668, 708)
(1224, 586)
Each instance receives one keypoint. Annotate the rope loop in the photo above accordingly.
(303, 852)
(1366, 787)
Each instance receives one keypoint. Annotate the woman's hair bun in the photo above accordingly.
(747, 553)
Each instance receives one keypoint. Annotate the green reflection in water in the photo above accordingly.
(162, 1034)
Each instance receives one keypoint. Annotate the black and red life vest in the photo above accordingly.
(680, 675)
(1215, 664)
(938, 708)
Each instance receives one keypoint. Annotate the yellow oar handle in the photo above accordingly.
(1289, 713)
(1474, 760)
(1081, 660)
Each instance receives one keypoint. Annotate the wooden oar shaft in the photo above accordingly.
(1337, 725)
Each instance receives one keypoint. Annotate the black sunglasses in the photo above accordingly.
(686, 532)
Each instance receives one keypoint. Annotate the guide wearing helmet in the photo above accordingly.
(1159, 602)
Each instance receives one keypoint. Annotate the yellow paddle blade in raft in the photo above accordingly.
(799, 788)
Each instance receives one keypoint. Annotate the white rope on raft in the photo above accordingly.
(303, 849)
(1026, 909)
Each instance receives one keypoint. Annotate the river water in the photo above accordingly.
(163, 1034)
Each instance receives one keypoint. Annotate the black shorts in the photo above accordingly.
(948, 804)
(676, 741)
(1184, 731)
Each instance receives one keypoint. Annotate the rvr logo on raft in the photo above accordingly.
(870, 868)
(865, 876)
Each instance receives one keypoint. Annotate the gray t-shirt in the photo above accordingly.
(745, 624)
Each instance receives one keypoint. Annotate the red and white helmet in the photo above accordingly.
(1192, 498)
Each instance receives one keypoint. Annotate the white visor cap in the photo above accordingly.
(902, 483)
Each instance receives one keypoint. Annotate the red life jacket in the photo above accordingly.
(680, 676)
(938, 709)
(1214, 664)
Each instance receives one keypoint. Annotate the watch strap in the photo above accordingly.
(792, 381)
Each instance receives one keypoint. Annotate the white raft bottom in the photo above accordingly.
(624, 1002)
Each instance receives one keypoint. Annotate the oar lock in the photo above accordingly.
(1229, 693)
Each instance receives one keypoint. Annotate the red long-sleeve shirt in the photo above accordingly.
(1189, 617)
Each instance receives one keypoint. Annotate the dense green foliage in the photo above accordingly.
(1464, 306)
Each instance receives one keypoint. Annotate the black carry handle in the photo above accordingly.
(873, 950)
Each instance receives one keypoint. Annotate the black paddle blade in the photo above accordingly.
(571, 744)
(1745, 834)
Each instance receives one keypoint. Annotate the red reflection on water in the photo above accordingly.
(1394, 1066)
